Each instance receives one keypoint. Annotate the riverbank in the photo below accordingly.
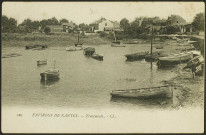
(188, 92)
(66, 39)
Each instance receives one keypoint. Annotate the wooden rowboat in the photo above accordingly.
(174, 59)
(152, 92)
(196, 61)
(89, 51)
(136, 56)
(97, 57)
(41, 62)
(73, 48)
(50, 74)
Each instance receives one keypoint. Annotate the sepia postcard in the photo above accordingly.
(102, 67)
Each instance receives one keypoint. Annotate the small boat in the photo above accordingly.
(41, 62)
(11, 55)
(89, 51)
(74, 48)
(152, 57)
(50, 74)
(97, 57)
(36, 47)
(116, 43)
(136, 56)
(78, 44)
(151, 92)
(159, 47)
(174, 59)
(196, 61)
(200, 70)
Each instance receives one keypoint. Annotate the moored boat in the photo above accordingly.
(73, 48)
(97, 57)
(89, 51)
(174, 59)
(35, 46)
(41, 62)
(136, 56)
(11, 55)
(50, 74)
(151, 92)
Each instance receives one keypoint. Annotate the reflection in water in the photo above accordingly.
(48, 83)
(155, 102)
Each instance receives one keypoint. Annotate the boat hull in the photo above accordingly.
(97, 57)
(154, 92)
(49, 75)
(136, 56)
(174, 60)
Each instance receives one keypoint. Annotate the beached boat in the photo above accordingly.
(97, 57)
(136, 56)
(151, 92)
(11, 55)
(174, 59)
(74, 48)
(196, 61)
(41, 62)
(50, 74)
(89, 51)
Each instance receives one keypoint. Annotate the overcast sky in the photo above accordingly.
(87, 12)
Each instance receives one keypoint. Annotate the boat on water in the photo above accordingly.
(50, 74)
(11, 55)
(78, 44)
(36, 47)
(174, 59)
(151, 92)
(136, 56)
(74, 48)
(152, 57)
(89, 51)
(196, 61)
(41, 62)
(97, 57)
(116, 43)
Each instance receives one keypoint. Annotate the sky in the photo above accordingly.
(88, 12)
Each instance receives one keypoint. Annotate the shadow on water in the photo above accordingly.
(49, 82)
(149, 102)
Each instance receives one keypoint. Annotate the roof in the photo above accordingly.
(68, 24)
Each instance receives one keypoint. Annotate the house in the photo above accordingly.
(105, 25)
(177, 21)
(64, 27)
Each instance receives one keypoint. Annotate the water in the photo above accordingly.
(84, 82)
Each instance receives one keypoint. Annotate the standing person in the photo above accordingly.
(193, 71)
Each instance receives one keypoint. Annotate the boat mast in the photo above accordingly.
(151, 41)
(78, 37)
(115, 37)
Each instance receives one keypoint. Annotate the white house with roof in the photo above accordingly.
(107, 25)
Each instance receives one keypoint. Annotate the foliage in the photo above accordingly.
(9, 25)
(63, 20)
(198, 22)
(47, 30)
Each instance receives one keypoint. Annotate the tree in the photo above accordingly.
(198, 22)
(63, 21)
(124, 24)
(47, 30)
(8, 24)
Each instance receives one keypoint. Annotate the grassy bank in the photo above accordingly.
(16, 39)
